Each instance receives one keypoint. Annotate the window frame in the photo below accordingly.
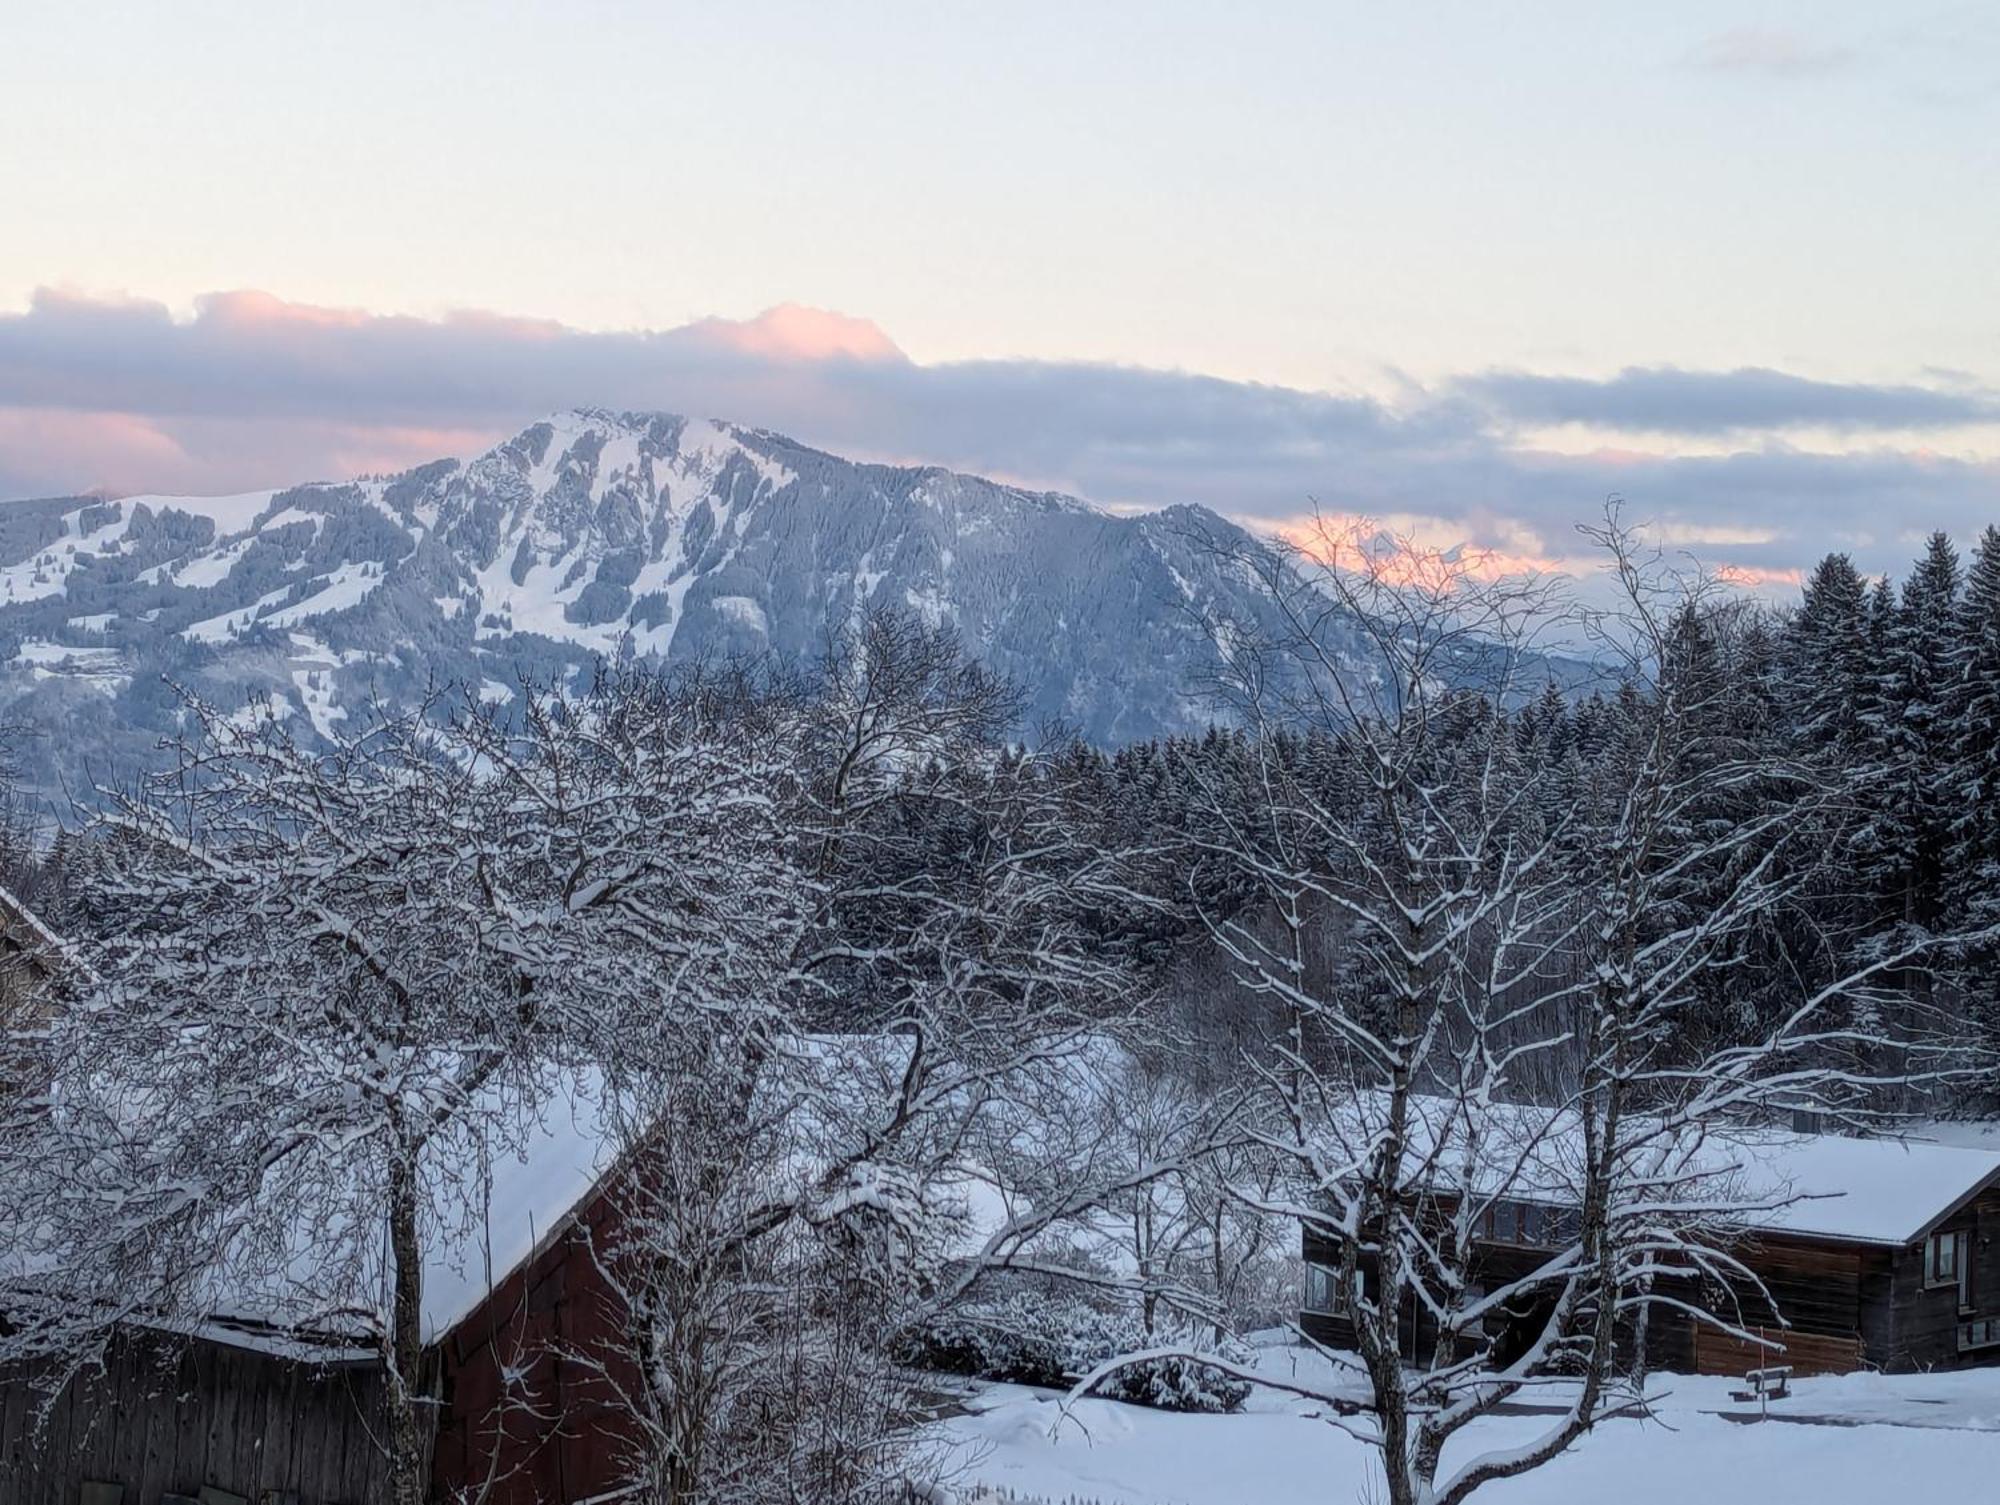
(1324, 1279)
(1954, 1274)
(1338, 1301)
(1511, 1223)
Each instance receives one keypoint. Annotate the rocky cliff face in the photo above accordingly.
(590, 534)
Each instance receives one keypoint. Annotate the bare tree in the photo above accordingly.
(889, 950)
(334, 984)
(295, 1035)
(1492, 1048)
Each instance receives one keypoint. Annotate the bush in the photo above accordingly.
(1054, 1340)
(1176, 1385)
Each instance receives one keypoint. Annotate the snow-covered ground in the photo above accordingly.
(1857, 1438)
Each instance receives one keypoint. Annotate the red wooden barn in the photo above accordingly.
(522, 1331)
(530, 1378)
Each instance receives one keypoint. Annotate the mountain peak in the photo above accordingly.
(592, 533)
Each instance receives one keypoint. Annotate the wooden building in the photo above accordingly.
(531, 1380)
(525, 1357)
(260, 1412)
(33, 960)
(1879, 1254)
(241, 1413)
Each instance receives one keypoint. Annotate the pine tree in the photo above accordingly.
(1974, 857)
(1827, 668)
(1877, 866)
(1921, 670)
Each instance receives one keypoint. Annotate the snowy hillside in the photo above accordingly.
(590, 534)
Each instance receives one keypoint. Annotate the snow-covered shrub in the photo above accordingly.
(1038, 1338)
(1176, 1385)
(1028, 1337)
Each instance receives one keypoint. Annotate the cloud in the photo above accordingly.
(252, 391)
(793, 332)
(1667, 400)
(1769, 51)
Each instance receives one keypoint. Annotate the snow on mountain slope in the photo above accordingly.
(590, 534)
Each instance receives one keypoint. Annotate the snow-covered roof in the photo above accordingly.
(328, 1285)
(1884, 1191)
(38, 938)
(522, 1196)
(528, 1196)
(1876, 1191)
(570, 1150)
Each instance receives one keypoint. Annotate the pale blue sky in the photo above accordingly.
(1292, 192)
(1465, 266)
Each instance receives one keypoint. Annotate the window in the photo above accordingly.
(1948, 1262)
(1985, 1333)
(1528, 1226)
(1476, 1328)
(1320, 1289)
(1324, 1292)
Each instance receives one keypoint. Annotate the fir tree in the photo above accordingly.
(1975, 729)
(1921, 671)
(1827, 668)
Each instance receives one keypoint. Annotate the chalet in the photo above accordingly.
(264, 1403)
(1876, 1253)
(257, 1407)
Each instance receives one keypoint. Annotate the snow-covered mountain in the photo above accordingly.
(590, 534)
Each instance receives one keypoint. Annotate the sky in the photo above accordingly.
(1464, 268)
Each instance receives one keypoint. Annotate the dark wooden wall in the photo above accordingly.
(1843, 1306)
(518, 1414)
(1922, 1330)
(167, 1417)
(1821, 1301)
(557, 1431)
(1719, 1352)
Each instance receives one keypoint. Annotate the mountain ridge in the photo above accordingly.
(591, 534)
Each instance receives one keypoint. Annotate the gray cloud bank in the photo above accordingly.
(252, 392)
(1666, 400)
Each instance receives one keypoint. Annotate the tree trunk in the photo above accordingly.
(408, 1484)
(1641, 1331)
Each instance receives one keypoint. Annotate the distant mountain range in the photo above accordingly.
(590, 534)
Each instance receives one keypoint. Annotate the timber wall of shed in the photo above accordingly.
(530, 1408)
(168, 1417)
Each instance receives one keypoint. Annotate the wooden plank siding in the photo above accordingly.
(1834, 1307)
(165, 1417)
(1718, 1352)
(526, 1413)
(1669, 1340)
(1923, 1331)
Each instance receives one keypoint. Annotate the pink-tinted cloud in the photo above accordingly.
(124, 450)
(1758, 577)
(794, 332)
(253, 390)
(49, 451)
(1428, 551)
(250, 309)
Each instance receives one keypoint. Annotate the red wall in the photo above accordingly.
(558, 1435)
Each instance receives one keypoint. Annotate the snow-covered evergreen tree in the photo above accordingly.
(1920, 670)
(1827, 665)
